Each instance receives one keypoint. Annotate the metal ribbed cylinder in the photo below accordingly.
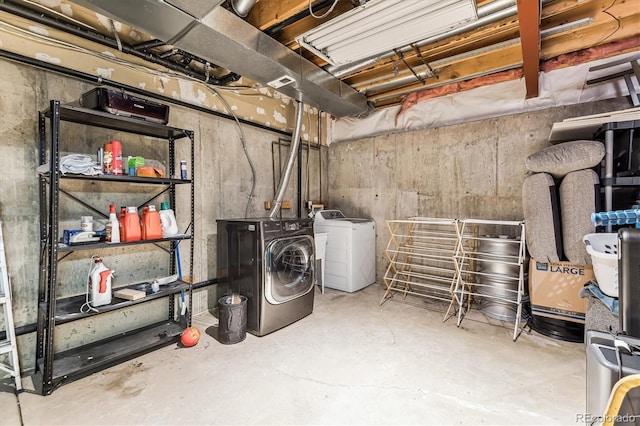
(499, 274)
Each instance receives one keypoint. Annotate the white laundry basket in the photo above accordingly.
(603, 249)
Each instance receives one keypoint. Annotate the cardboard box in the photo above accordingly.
(554, 287)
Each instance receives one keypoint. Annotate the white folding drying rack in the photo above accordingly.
(420, 253)
(8, 345)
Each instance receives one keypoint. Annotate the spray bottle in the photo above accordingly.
(99, 283)
(113, 226)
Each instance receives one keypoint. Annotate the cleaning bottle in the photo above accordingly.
(151, 226)
(116, 147)
(99, 283)
(113, 226)
(168, 220)
(131, 225)
(107, 159)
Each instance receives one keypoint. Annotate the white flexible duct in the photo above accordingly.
(284, 178)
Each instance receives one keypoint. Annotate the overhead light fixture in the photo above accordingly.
(379, 26)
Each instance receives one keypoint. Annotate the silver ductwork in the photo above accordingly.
(197, 9)
(217, 35)
(291, 161)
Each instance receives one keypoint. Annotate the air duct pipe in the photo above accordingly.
(284, 178)
(242, 7)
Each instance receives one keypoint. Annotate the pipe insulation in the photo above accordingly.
(293, 150)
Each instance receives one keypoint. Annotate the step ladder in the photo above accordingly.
(8, 344)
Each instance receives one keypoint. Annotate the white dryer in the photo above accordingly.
(350, 257)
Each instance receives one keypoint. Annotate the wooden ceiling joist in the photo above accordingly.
(487, 63)
(501, 31)
(600, 32)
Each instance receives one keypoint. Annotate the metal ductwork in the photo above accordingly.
(216, 34)
(198, 9)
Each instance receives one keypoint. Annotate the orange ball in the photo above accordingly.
(190, 336)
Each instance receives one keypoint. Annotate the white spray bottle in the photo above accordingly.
(100, 283)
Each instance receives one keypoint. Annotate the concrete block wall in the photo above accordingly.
(223, 182)
(469, 170)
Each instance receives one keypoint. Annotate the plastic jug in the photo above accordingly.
(168, 220)
(131, 225)
(100, 283)
(151, 226)
(113, 226)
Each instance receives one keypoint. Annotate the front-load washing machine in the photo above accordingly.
(350, 256)
(271, 262)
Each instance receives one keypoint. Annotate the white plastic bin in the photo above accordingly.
(603, 249)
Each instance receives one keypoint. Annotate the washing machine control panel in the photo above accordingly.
(332, 214)
(291, 226)
(296, 225)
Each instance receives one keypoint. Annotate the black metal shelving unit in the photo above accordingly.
(622, 144)
(55, 369)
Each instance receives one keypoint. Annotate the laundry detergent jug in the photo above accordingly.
(99, 283)
(168, 219)
(151, 226)
(131, 226)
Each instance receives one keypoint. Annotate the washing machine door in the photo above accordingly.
(289, 264)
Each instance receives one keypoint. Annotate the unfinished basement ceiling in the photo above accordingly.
(509, 39)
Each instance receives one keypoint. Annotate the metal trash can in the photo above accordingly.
(232, 319)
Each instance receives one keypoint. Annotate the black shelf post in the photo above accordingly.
(618, 136)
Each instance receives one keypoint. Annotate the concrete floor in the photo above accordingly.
(350, 362)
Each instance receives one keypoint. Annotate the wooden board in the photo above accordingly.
(129, 294)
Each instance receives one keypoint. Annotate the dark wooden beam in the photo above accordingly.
(529, 17)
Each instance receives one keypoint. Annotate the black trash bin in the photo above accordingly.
(232, 319)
